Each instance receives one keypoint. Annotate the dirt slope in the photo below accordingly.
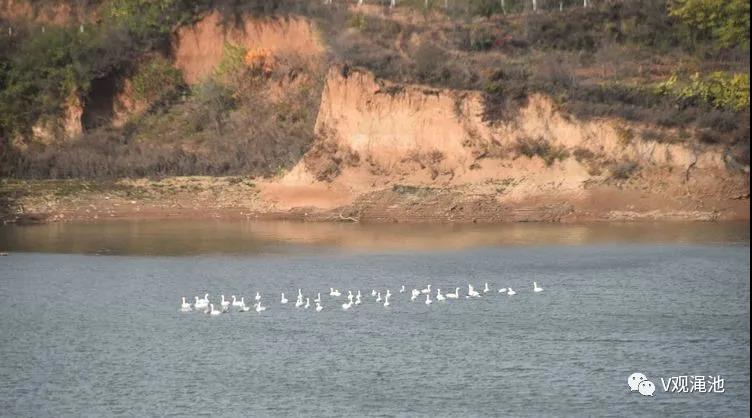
(456, 167)
(199, 48)
(389, 152)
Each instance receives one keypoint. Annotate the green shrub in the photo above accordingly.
(480, 38)
(725, 21)
(50, 67)
(718, 89)
(232, 62)
(358, 21)
(156, 79)
(213, 104)
(148, 21)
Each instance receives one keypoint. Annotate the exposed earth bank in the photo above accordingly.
(387, 152)
(240, 198)
(396, 153)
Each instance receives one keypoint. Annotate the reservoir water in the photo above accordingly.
(90, 322)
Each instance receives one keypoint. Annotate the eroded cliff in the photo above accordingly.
(407, 151)
(199, 48)
(379, 150)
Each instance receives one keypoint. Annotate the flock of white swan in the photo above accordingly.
(202, 304)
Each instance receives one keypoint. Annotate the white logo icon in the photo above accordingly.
(639, 382)
(634, 381)
(647, 388)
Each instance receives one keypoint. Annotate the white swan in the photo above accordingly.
(307, 303)
(357, 299)
(213, 311)
(378, 297)
(454, 295)
(388, 293)
(373, 292)
(386, 301)
(283, 300)
(439, 296)
(224, 303)
(415, 292)
(299, 303)
(244, 308)
(486, 289)
(185, 306)
(259, 308)
(426, 290)
(471, 292)
(236, 302)
(346, 306)
(511, 292)
(413, 297)
(402, 289)
(428, 299)
(318, 298)
(350, 296)
(536, 288)
(300, 293)
(205, 308)
(334, 292)
(503, 290)
(258, 296)
(319, 307)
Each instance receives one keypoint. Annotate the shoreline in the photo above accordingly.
(318, 215)
(239, 198)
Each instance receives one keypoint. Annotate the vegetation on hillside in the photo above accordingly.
(678, 64)
(640, 60)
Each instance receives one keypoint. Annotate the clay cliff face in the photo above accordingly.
(385, 122)
(199, 48)
(52, 12)
(588, 169)
(385, 151)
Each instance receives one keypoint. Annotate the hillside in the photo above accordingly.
(460, 110)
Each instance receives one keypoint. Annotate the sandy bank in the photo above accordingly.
(243, 198)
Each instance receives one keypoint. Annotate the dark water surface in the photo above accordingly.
(89, 321)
